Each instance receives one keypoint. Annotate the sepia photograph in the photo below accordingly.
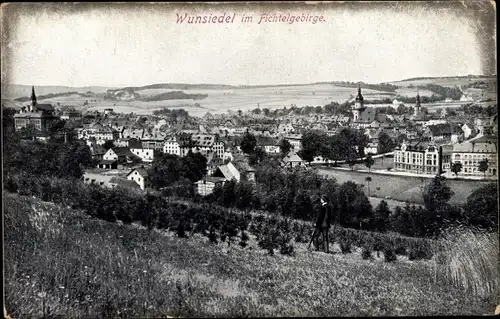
(249, 159)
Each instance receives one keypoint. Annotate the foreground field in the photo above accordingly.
(62, 262)
(403, 188)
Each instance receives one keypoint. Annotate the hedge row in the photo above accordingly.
(156, 211)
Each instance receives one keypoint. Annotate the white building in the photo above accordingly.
(471, 152)
(140, 176)
(295, 140)
(146, 155)
(172, 146)
(418, 159)
(206, 185)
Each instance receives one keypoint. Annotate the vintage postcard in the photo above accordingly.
(273, 159)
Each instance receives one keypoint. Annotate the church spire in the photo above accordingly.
(33, 96)
(359, 97)
(418, 100)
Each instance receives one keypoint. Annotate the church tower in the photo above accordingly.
(33, 99)
(417, 105)
(359, 105)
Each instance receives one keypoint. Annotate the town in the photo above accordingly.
(451, 141)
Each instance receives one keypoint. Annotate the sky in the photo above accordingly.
(139, 45)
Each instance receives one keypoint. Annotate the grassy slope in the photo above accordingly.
(404, 188)
(78, 266)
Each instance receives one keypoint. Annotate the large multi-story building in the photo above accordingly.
(419, 159)
(473, 151)
(205, 144)
(36, 115)
(172, 145)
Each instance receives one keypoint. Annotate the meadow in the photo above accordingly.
(62, 263)
(403, 188)
(222, 100)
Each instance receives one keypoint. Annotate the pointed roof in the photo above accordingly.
(418, 100)
(359, 97)
(33, 96)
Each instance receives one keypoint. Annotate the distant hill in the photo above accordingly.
(52, 95)
(449, 81)
(449, 77)
(15, 91)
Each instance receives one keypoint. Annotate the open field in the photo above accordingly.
(444, 81)
(222, 100)
(405, 91)
(60, 262)
(403, 188)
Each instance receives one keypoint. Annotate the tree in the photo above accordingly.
(312, 142)
(108, 144)
(369, 162)
(258, 156)
(381, 217)
(368, 179)
(165, 170)
(193, 166)
(437, 194)
(265, 111)
(256, 111)
(353, 205)
(456, 168)
(306, 154)
(285, 147)
(483, 166)
(481, 208)
(248, 143)
(385, 143)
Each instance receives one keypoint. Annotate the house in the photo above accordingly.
(206, 144)
(123, 182)
(228, 172)
(247, 173)
(206, 185)
(135, 146)
(122, 155)
(71, 116)
(268, 144)
(292, 160)
(371, 148)
(108, 164)
(468, 130)
(103, 177)
(295, 140)
(140, 176)
(285, 128)
(445, 133)
(172, 145)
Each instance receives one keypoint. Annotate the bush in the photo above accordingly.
(400, 250)
(367, 253)
(181, 231)
(286, 248)
(212, 236)
(420, 250)
(244, 240)
(390, 255)
(378, 246)
(345, 245)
